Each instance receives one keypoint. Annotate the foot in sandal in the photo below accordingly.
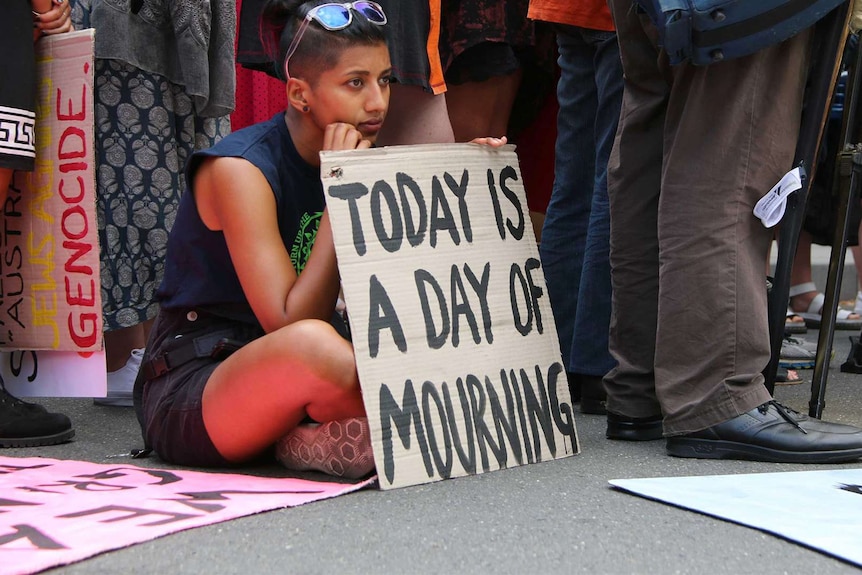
(807, 302)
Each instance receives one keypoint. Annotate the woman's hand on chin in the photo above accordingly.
(341, 136)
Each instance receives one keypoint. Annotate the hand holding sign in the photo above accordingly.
(489, 141)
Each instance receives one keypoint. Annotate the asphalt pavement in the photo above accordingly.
(552, 517)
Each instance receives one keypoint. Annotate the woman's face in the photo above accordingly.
(354, 91)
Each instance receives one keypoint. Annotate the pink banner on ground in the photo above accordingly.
(55, 512)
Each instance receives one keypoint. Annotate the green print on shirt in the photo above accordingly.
(302, 244)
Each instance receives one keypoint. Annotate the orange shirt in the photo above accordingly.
(593, 14)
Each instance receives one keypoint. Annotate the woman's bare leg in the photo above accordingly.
(269, 386)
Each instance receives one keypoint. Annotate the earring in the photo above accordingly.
(305, 108)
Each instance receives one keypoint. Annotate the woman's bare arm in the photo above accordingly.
(234, 197)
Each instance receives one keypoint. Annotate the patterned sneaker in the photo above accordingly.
(341, 448)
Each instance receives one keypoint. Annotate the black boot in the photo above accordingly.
(25, 424)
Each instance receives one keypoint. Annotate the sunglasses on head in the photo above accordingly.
(335, 16)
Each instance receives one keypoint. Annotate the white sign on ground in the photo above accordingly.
(819, 509)
(455, 343)
(48, 373)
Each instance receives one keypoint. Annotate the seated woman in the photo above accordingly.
(245, 351)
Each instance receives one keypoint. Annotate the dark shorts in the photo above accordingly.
(172, 403)
(408, 28)
(482, 62)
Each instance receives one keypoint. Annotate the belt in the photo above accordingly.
(187, 349)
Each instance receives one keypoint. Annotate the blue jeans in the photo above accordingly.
(575, 236)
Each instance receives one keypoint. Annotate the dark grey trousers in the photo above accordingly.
(695, 149)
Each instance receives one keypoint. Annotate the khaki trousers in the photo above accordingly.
(695, 149)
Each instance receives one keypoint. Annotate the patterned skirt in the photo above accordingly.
(146, 130)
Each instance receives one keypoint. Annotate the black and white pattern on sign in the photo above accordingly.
(16, 132)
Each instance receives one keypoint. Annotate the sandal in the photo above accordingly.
(794, 323)
(813, 316)
(787, 377)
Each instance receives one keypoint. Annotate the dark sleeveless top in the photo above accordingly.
(198, 269)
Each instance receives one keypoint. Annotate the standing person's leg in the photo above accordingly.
(417, 106)
(805, 299)
(483, 48)
(22, 424)
(122, 343)
(712, 253)
(732, 129)
(567, 216)
(634, 182)
(5, 179)
(857, 261)
(479, 109)
(590, 356)
(146, 129)
(415, 116)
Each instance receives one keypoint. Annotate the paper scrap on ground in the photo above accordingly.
(818, 509)
(55, 512)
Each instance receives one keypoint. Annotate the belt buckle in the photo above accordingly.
(160, 365)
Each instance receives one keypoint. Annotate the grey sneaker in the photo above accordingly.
(797, 353)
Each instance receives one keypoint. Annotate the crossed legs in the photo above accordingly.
(268, 387)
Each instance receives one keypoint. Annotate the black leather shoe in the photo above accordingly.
(634, 428)
(772, 432)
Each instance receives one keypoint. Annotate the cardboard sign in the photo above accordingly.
(30, 373)
(49, 249)
(455, 342)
